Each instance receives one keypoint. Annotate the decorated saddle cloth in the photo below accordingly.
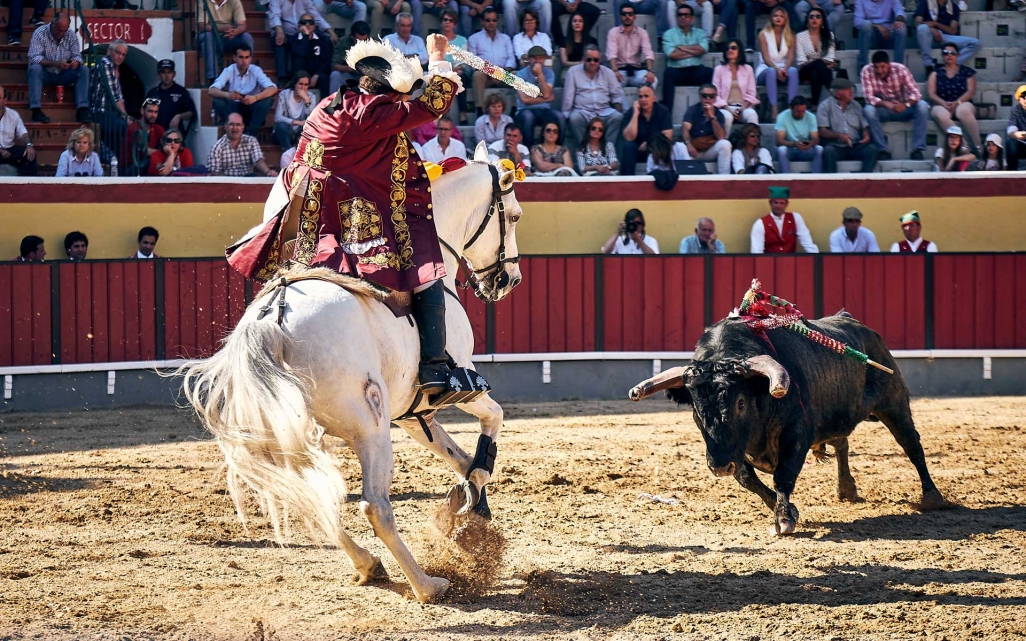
(357, 198)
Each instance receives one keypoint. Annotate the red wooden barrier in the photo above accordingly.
(978, 301)
(108, 310)
(25, 312)
(884, 291)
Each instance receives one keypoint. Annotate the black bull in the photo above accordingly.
(763, 401)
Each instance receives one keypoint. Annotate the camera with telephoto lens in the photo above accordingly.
(632, 222)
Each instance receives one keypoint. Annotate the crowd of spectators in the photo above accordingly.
(780, 231)
(600, 132)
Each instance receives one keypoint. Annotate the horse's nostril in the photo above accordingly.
(516, 281)
(502, 280)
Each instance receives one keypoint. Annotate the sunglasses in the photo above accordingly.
(591, 60)
(173, 141)
(685, 14)
(597, 128)
(490, 20)
(626, 14)
(550, 130)
(708, 96)
(852, 220)
(151, 101)
(733, 48)
(815, 16)
(447, 19)
(307, 22)
(950, 53)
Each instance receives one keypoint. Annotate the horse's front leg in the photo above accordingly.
(489, 413)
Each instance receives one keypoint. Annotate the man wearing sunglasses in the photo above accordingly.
(143, 137)
(629, 52)
(684, 47)
(589, 91)
(936, 24)
(704, 131)
(283, 18)
(655, 8)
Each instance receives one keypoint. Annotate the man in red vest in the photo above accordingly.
(913, 242)
(780, 231)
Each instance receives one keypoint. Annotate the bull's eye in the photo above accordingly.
(740, 405)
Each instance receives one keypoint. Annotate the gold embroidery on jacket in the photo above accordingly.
(402, 259)
(438, 94)
(313, 155)
(271, 265)
(306, 239)
(361, 227)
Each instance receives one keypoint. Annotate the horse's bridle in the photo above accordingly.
(495, 272)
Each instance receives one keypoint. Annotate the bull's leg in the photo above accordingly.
(789, 465)
(846, 490)
(746, 476)
(898, 420)
(374, 449)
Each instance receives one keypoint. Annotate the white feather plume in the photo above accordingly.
(404, 72)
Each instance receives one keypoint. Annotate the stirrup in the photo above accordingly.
(462, 385)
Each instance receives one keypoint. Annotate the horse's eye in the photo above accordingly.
(514, 219)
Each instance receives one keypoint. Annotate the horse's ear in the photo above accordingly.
(506, 180)
(481, 152)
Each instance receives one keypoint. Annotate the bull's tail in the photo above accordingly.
(260, 412)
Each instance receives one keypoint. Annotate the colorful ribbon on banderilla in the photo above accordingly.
(462, 55)
(762, 311)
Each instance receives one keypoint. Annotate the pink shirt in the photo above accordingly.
(745, 82)
(628, 48)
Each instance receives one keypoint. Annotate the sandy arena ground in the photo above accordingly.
(115, 525)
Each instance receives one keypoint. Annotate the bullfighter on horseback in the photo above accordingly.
(357, 198)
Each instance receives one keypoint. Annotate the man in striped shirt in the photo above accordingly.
(55, 59)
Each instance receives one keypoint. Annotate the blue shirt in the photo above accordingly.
(249, 84)
(527, 75)
(691, 245)
(415, 47)
(498, 51)
(877, 12)
(674, 38)
(796, 129)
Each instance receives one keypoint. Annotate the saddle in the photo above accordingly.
(463, 386)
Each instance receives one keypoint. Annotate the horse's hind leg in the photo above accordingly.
(374, 449)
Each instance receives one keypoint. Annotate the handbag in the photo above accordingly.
(703, 143)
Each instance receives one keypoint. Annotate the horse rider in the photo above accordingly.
(357, 199)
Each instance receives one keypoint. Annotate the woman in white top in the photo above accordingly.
(529, 36)
(815, 53)
(749, 157)
(79, 159)
(776, 43)
(294, 106)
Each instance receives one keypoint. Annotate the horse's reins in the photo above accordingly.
(495, 270)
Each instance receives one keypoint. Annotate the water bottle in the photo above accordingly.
(114, 167)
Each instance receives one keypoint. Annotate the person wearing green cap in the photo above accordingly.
(780, 231)
(914, 242)
(1016, 146)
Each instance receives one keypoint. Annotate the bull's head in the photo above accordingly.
(727, 398)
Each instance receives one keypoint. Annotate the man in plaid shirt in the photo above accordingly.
(105, 98)
(55, 58)
(237, 154)
(892, 95)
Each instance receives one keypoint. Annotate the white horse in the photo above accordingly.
(344, 365)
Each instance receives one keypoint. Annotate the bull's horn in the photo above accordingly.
(673, 377)
(779, 379)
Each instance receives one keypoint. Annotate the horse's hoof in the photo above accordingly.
(376, 572)
(933, 500)
(431, 590)
(482, 509)
(463, 497)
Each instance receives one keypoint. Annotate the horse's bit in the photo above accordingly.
(498, 276)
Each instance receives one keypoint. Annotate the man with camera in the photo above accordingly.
(630, 237)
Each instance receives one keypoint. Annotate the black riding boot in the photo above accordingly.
(429, 311)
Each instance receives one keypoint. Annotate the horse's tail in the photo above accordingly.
(261, 414)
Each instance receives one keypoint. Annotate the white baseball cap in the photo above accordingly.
(954, 130)
(996, 139)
